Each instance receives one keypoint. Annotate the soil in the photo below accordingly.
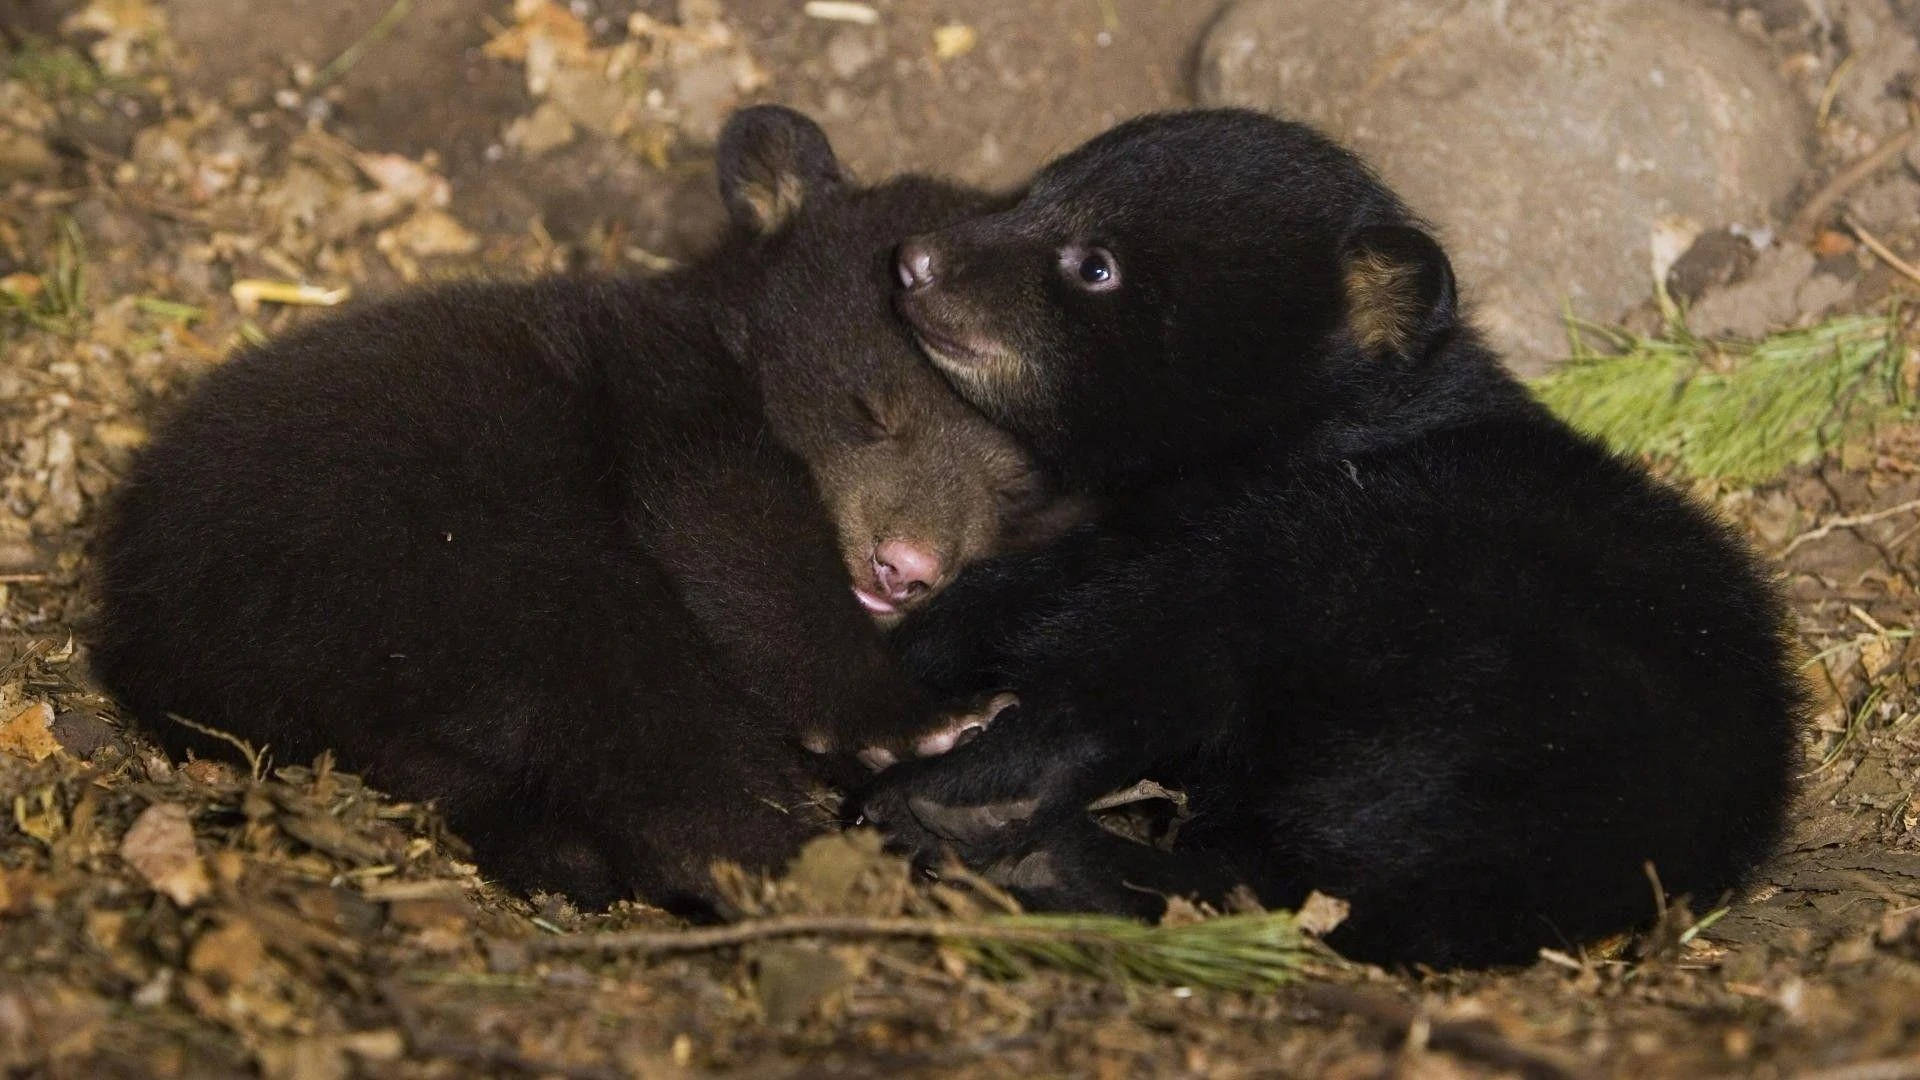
(193, 918)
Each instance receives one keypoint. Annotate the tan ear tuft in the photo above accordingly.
(1382, 301)
(773, 200)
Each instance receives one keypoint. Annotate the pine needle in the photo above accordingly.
(1734, 411)
(1253, 952)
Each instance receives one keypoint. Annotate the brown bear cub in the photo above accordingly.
(596, 564)
(1399, 633)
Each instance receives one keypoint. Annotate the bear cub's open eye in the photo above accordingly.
(1091, 268)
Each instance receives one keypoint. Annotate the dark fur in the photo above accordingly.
(1400, 634)
(551, 553)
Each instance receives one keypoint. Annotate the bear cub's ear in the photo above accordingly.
(1400, 290)
(772, 159)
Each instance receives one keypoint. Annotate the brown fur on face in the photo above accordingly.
(894, 453)
(934, 473)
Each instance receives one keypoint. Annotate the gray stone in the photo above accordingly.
(1544, 139)
(1886, 203)
(1882, 54)
(1767, 298)
(82, 734)
(1718, 257)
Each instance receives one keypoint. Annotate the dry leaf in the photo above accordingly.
(37, 813)
(121, 434)
(209, 772)
(1182, 912)
(546, 128)
(125, 25)
(546, 38)
(160, 846)
(1876, 654)
(29, 733)
(429, 233)
(233, 954)
(954, 40)
(406, 178)
(24, 155)
(23, 285)
(1320, 913)
(379, 1045)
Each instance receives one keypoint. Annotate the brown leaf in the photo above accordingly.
(546, 128)
(23, 285)
(29, 733)
(408, 179)
(431, 913)
(429, 233)
(160, 846)
(379, 1045)
(232, 954)
(544, 36)
(1319, 914)
(209, 772)
(323, 833)
(954, 40)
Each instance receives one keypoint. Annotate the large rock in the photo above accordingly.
(1544, 139)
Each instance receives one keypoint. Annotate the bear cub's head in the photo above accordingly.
(918, 483)
(1186, 287)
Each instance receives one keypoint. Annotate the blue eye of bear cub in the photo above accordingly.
(1091, 268)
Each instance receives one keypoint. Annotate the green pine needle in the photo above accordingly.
(1734, 411)
(1253, 952)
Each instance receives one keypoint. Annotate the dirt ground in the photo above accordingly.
(178, 178)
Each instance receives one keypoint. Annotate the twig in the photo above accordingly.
(253, 757)
(1873, 624)
(1474, 1040)
(1846, 180)
(659, 942)
(1257, 952)
(351, 55)
(1849, 522)
(1832, 90)
(1873, 244)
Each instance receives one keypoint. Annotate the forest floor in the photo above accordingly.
(185, 177)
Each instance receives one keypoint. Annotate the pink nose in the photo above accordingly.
(917, 263)
(905, 569)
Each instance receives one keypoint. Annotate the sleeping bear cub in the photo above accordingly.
(1400, 635)
(594, 563)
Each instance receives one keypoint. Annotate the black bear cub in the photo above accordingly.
(594, 563)
(1400, 635)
